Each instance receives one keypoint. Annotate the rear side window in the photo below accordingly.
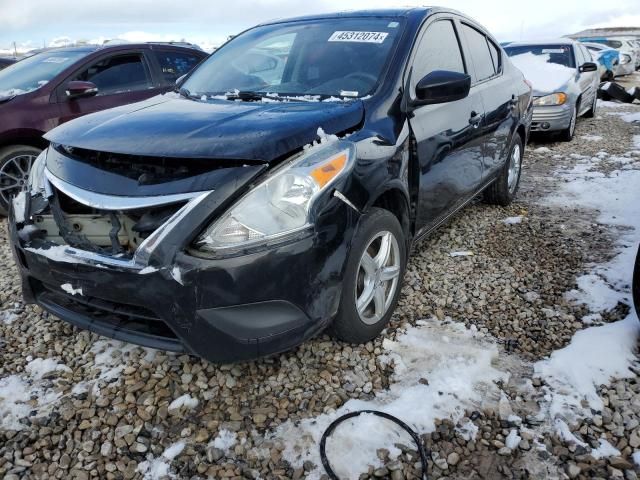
(495, 56)
(439, 49)
(480, 54)
(117, 74)
(175, 64)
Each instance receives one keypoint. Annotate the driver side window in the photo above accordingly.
(439, 49)
(117, 74)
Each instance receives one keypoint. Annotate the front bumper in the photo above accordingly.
(551, 118)
(224, 310)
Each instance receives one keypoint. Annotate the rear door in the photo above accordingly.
(448, 135)
(122, 77)
(499, 95)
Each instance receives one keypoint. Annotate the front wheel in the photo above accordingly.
(567, 133)
(373, 278)
(503, 190)
(15, 165)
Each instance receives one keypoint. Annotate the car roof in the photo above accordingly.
(386, 12)
(550, 41)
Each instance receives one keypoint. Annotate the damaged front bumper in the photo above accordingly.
(165, 296)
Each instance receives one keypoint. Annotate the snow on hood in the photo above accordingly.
(544, 76)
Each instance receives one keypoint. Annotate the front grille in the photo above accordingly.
(125, 317)
(147, 170)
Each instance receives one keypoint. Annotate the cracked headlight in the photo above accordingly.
(36, 175)
(279, 206)
(553, 99)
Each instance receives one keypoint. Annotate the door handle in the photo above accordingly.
(475, 119)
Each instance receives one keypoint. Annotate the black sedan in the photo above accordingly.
(279, 190)
(6, 61)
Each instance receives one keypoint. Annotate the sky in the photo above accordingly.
(35, 23)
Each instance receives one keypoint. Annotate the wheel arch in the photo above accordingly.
(29, 137)
(395, 201)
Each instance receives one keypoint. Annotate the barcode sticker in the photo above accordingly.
(360, 37)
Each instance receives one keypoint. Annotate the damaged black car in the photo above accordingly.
(279, 190)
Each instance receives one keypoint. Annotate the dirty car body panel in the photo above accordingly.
(110, 236)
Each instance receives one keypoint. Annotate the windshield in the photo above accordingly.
(337, 57)
(558, 54)
(32, 73)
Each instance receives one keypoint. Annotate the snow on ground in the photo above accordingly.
(28, 395)
(186, 401)
(160, 468)
(8, 317)
(591, 138)
(225, 440)
(596, 355)
(440, 369)
(513, 220)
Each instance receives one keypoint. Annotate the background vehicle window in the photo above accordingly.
(122, 73)
(175, 64)
(495, 56)
(439, 50)
(559, 54)
(480, 54)
(579, 55)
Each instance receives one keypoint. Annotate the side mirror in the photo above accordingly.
(179, 80)
(588, 67)
(441, 86)
(79, 89)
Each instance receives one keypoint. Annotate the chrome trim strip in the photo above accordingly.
(146, 248)
(114, 202)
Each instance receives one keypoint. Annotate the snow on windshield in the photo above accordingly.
(544, 75)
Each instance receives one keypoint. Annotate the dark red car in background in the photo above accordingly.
(49, 88)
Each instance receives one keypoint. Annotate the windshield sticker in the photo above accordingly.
(553, 50)
(55, 60)
(393, 24)
(348, 93)
(360, 37)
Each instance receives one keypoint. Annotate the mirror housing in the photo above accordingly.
(588, 67)
(79, 89)
(442, 86)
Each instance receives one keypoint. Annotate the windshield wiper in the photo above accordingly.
(184, 92)
(245, 96)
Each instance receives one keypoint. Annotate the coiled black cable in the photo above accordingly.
(323, 455)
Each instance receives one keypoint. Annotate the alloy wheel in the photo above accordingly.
(515, 163)
(14, 176)
(377, 277)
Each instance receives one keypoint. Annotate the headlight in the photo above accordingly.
(279, 207)
(553, 99)
(36, 175)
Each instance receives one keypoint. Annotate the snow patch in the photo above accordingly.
(604, 450)
(512, 220)
(512, 440)
(225, 440)
(39, 367)
(440, 370)
(543, 75)
(591, 138)
(160, 468)
(147, 270)
(465, 253)
(67, 287)
(177, 274)
(186, 401)
(542, 150)
(8, 317)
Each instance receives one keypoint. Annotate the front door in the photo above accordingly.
(449, 136)
(121, 78)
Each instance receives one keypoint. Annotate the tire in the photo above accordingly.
(592, 111)
(15, 165)
(567, 134)
(359, 326)
(504, 189)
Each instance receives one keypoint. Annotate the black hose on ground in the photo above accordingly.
(323, 455)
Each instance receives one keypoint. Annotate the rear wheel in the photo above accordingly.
(567, 133)
(503, 190)
(15, 165)
(373, 278)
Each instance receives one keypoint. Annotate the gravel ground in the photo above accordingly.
(116, 411)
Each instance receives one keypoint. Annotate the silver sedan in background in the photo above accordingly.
(564, 79)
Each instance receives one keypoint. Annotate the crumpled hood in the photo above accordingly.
(171, 126)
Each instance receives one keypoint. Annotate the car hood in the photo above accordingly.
(172, 126)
